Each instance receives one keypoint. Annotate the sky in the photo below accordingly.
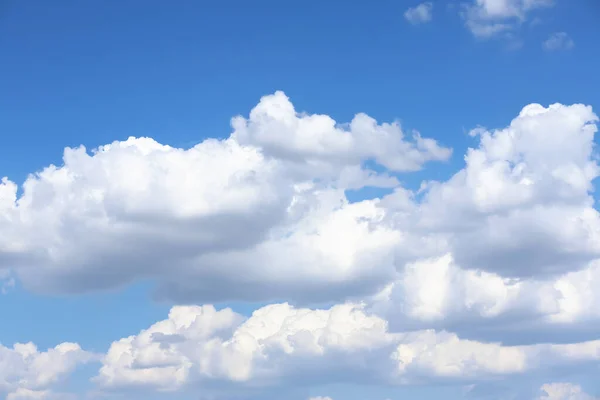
(321, 200)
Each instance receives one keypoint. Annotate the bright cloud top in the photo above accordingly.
(427, 282)
(419, 14)
(230, 213)
(488, 18)
(564, 391)
(215, 213)
(25, 372)
(280, 342)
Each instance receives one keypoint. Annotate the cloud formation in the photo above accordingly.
(558, 41)
(488, 274)
(419, 14)
(488, 18)
(27, 373)
(280, 344)
(564, 391)
(257, 217)
(223, 214)
(437, 293)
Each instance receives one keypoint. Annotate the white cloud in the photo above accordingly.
(280, 343)
(558, 41)
(260, 217)
(564, 391)
(24, 394)
(487, 18)
(317, 142)
(521, 207)
(25, 372)
(511, 239)
(437, 292)
(206, 219)
(428, 283)
(198, 343)
(419, 14)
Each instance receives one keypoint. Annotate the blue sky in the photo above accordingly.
(104, 246)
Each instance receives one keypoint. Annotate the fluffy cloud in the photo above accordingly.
(521, 207)
(511, 240)
(564, 391)
(200, 343)
(280, 343)
(419, 14)
(487, 18)
(558, 41)
(430, 284)
(316, 140)
(438, 293)
(26, 373)
(263, 215)
(214, 214)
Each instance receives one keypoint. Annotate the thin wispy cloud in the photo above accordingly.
(558, 41)
(420, 14)
(491, 18)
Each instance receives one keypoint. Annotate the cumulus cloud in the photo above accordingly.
(200, 343)
(315, 140)
(558, 41)
(27, 373)
(419, 14)
(515, 233)
(564, 391)
(202, 219)
(263, 214)
(488, 18)
(438, 293)
(522, 206)
(434, 284)
(280, 343)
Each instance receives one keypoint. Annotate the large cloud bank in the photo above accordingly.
(489, 273)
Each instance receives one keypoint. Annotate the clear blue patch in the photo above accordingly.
(366, 193)
(92, 320)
